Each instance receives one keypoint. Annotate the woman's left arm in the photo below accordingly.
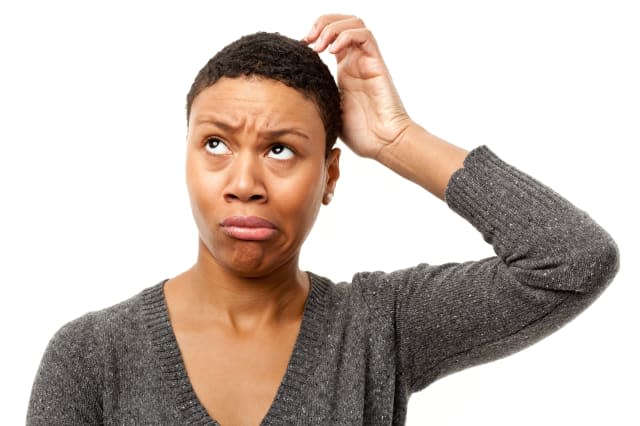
(552, 259)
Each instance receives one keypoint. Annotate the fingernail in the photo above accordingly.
(317, 44)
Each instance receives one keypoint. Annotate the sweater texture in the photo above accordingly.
(364, 346)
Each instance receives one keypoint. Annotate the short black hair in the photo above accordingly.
(280, 58)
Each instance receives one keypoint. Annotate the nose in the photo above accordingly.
(245, 181)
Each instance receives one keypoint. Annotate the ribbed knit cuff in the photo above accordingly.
(495, 196)
(554, 243)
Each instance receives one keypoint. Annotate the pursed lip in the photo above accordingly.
(247, 222)
(250, 228)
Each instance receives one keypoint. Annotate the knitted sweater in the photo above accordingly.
(363, 346)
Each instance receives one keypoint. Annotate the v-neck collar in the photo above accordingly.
(303, 359)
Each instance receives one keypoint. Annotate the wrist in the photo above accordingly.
(423, 158)
(390, 150)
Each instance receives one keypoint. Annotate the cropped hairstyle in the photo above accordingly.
(280, 58)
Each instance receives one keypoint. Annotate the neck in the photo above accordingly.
(246, 303)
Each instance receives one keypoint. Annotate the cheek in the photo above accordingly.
(294, 199)
(300, 197)
(203, 188)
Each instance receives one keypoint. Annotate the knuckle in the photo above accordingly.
(321, 22)
(330, 31)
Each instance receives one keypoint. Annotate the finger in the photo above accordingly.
(319, 25)
(361, 37)
(330, 31)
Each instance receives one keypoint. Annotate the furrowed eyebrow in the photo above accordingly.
(220, 124)
(276, 133)
(282, 132)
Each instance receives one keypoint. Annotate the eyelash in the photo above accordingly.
(281, 145)
(211, 139)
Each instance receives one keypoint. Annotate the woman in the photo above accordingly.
(245, 337)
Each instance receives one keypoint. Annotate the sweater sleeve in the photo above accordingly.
(552, 261)
(66, 390)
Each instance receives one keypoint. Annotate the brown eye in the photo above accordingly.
(215, 146)
(280, 152)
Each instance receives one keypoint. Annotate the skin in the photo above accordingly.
(246, 297)
(255, 147)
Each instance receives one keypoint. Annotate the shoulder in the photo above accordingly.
(332, 293)
(365, 286)
(96, 330)
(372, 294)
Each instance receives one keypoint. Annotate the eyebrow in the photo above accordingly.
(276, 133)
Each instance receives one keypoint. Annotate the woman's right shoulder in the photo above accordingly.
(108, 325)
(81, 357)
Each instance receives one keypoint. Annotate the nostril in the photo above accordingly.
(235, 197)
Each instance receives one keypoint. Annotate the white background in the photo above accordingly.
(94, 206)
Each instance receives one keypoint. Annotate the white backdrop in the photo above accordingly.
(94, 206)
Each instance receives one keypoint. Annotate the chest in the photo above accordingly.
(236, 378)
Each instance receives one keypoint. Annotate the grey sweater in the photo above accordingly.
(364, 346)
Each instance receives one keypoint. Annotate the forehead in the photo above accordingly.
(260, 100)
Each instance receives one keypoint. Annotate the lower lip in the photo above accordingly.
(249, 234)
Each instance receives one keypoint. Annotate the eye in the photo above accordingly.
(216, 147)
(280, 152)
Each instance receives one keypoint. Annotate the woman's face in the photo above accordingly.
(256, 172)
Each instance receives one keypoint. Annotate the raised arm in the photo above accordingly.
(552, 260)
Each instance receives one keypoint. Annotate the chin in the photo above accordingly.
(247, 260)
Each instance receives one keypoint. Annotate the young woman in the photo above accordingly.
(244, 337)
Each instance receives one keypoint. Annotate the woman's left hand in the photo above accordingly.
(373, 114)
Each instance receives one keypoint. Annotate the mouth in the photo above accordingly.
(248, 228)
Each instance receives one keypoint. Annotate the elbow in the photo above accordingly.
(596, 266)
(585, 267)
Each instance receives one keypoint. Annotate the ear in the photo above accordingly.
(332, 175)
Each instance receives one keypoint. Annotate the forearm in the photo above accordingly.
(423, 158)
